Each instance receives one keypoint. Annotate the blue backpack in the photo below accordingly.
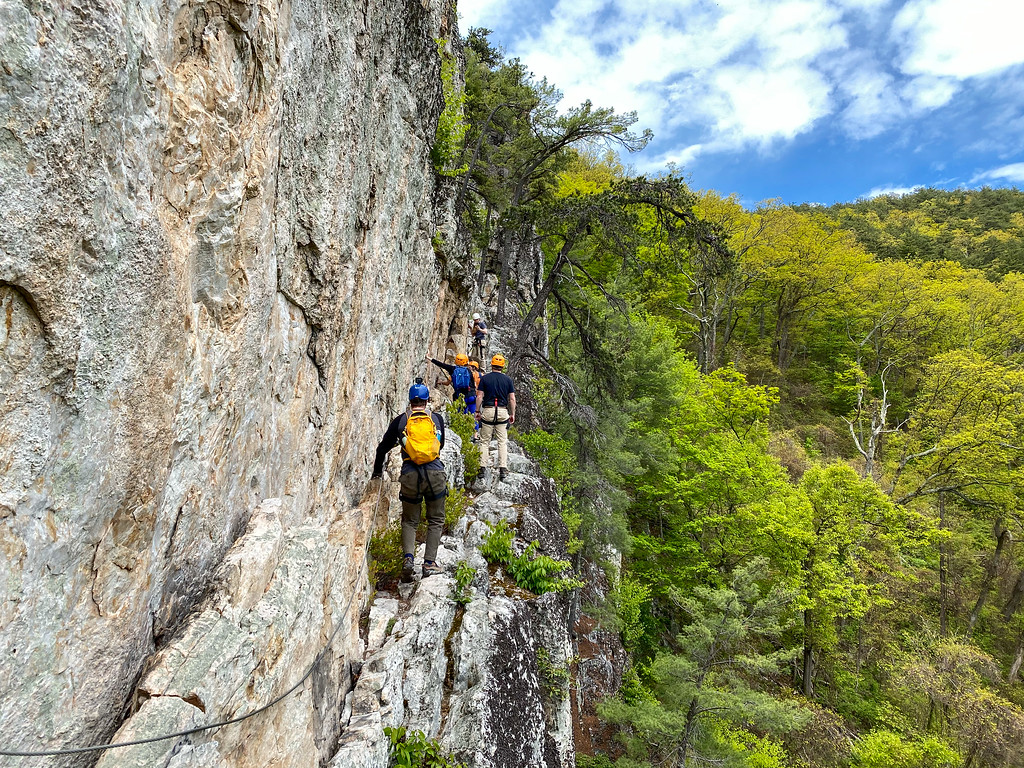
(461, 378)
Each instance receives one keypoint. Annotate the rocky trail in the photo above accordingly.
(487, 675)
(480, 677)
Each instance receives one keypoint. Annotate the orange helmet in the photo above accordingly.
(461, 359)
(474, 364)
(498, 361)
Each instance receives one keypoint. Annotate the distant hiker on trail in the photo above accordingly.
(478, 332)
(421, 434)
(462, 380)
(496, 396)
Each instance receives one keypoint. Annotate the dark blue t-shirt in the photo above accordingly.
(496, 385)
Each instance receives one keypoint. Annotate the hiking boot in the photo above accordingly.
(408, 569)
(502, 474)
(430, 568)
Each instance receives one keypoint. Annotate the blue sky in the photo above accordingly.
(802, 100)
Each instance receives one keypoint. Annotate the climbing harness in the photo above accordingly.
(316, 662)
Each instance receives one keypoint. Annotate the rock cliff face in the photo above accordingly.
(216, 278)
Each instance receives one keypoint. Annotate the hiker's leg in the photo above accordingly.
(435, 513)
(411, 497)
(487, 414)
(502, 431)
(410, 522)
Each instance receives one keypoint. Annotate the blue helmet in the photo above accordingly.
(419, 391)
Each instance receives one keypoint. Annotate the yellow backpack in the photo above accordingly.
(421, 442)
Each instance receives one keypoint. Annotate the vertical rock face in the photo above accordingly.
(216, 276)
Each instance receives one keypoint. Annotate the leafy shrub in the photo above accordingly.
(451, 125)
(464, 574)
(464, 425)
(497, 546)
(536, 573)
(415, 750)
(885, 749)
(631, 599)
(386, 555)
(555, 677)
(455, 505)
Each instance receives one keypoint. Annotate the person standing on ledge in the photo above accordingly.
(462, 381)
(496, 409)
(421, 435)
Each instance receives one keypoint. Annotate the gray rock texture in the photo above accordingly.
(216, 282)
(490, 681)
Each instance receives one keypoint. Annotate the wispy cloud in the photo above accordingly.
(721, 76)
(1013, 173)
(880, 191)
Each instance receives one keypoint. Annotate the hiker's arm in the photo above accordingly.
(443, 366)
(389, 441)
(511, 407)
(479, 403)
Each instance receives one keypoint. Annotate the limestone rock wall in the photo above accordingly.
(216, 280)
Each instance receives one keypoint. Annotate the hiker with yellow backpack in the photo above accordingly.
(421, 435)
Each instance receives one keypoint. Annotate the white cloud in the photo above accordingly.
(961, 39)
(880, 191)
(479, 13)
(1013, 173)
(770, 104)
(726, 75)
(927, 92)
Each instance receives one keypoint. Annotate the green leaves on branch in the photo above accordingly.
(536, 573)
(414, 750)
(451, 125)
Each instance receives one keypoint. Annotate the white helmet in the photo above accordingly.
(476, 315)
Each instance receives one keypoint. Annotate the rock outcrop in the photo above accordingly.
(490, 681)
(216, 279)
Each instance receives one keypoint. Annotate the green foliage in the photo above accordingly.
(497, 544)
(555, 677)
(554, 455)
(464, 574)
(885, 749)
(386, 554)
(455, 505)
(451, 125)
(536, 573)
(631, 599)
(415, 750)
(700, 693)
(464, 425)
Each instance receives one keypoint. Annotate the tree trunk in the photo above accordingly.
(1018, 659)
(943, 566)
(1001, 534)
(1016, 597)
(808, 682)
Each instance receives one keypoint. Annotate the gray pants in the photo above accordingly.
(415, 488)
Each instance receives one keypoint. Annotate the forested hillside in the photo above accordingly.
(802, 427)
(979, 228)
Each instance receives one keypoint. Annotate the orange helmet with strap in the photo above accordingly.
(461, 359)
(498, 361)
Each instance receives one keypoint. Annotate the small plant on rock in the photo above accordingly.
(536, 573)
(455, 506)
(415, 750)
(464, 574)
(386, 555)
(464, 425)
